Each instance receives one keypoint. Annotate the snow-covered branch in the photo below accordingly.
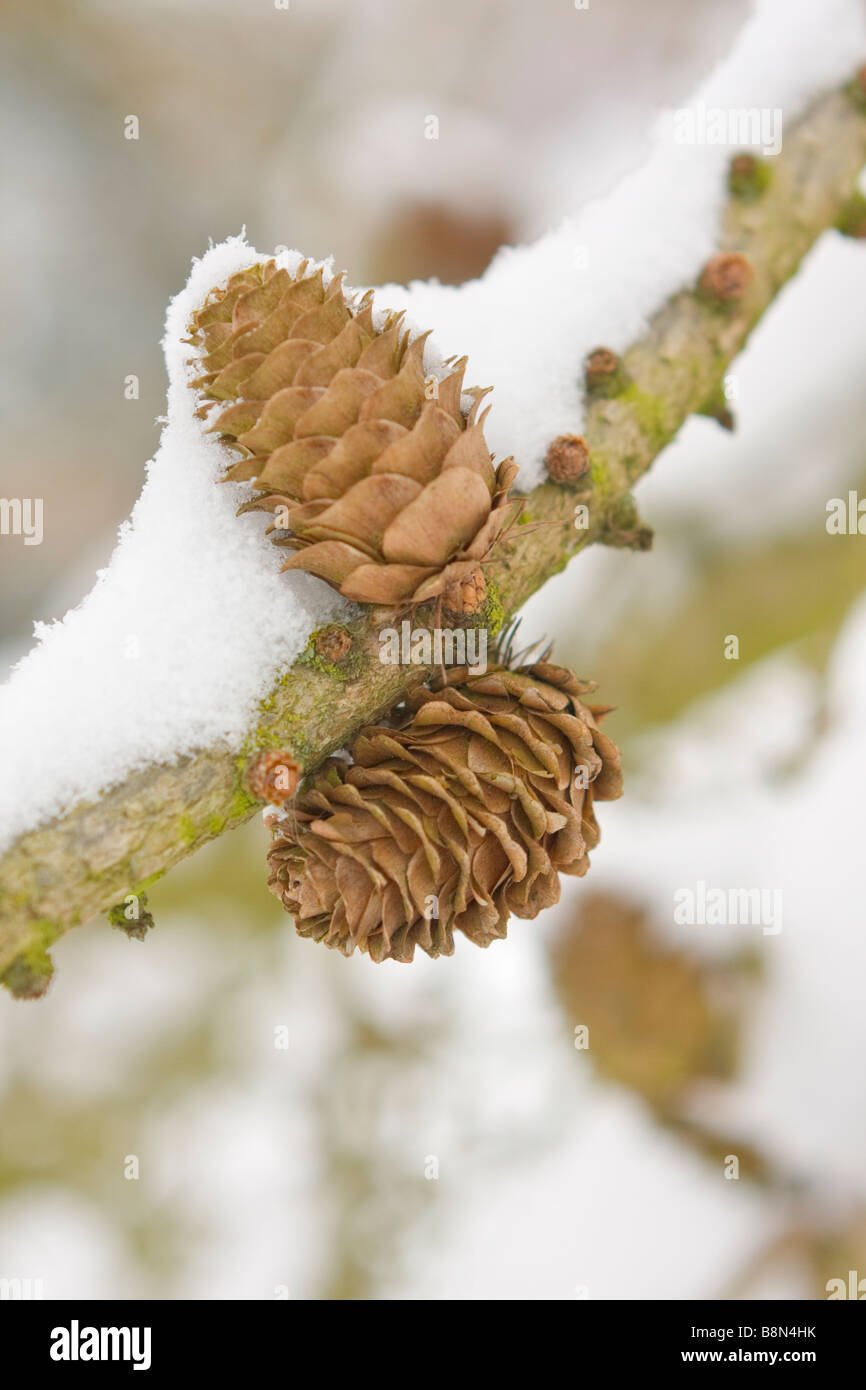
(170, 793)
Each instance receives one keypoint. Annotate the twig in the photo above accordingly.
(103, 853)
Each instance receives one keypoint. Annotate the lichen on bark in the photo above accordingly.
(86, 861)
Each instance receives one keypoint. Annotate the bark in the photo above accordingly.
(95, 856)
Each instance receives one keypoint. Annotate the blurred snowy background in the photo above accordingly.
(434, 1132)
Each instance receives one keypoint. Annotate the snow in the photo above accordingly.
(553, 1185)
(182, 634)
(529, 321)
(727, 821)
(191, 622)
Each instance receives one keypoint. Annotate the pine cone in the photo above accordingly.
(659, 1018)
(463, 811)
(385, 493)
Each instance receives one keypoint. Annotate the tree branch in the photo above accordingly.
(98, 854)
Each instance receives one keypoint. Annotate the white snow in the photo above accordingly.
(181, 635)
(529, 321)
(191, 622)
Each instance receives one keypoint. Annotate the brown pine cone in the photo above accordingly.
(463, 811)
(387, 493)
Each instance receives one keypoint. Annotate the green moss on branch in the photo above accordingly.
(84, 862)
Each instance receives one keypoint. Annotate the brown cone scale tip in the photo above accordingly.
(464, 595)
(386, 494)
(461, 812)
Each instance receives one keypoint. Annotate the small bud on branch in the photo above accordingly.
(273, 777)
(726, 277)
(333, 643)
(567, 458)
(603, 373)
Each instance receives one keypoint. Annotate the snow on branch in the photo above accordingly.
(135, 731)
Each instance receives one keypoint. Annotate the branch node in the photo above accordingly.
(748, 177)
(333, 643)
(852, 218)
(567, 458)
(31, 972)
(726, 277)
(273, 776)
(604, 373)
(623, 528)
(131, 916)
(717, 408)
